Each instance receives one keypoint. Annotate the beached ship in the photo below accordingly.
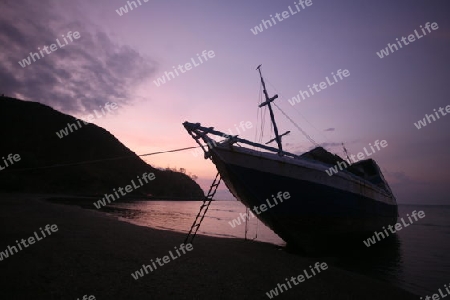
(322, 209)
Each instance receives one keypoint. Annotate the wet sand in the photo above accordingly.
(94, 254)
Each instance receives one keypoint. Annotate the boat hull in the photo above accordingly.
(320, 208)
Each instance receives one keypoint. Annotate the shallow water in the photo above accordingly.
(417, 258)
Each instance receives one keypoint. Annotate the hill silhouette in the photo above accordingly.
(29, 129)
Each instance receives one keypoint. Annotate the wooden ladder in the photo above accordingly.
(203, 209)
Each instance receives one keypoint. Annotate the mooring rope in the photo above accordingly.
(101, 160)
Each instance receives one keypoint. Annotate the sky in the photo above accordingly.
(119, 57)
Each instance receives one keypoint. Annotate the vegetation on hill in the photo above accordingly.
(29, 129)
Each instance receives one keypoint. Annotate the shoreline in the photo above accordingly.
(94, 254)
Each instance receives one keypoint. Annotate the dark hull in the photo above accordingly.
(315, 215)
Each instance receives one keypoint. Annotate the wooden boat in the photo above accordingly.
(322, 209)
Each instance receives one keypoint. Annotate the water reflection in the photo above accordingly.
(383, 261)
(168, 216)
(417, 259)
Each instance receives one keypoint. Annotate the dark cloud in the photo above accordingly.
(330, 129)
(83, 75)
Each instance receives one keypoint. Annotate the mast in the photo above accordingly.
(345, 151)
(272, 117)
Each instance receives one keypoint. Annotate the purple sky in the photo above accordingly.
(118, 58)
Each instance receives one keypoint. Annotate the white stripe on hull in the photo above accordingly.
(301, 169)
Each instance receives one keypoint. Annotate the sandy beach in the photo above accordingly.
(94, 254)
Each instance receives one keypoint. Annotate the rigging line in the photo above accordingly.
(263, 113)
(319, 131)
(256, 233)
(301, 115)
(298, 127)
(169, 151)
(258, 113)
(263, 120)
(263, 125)
(304, 118)
(100, 160)
(246, 221)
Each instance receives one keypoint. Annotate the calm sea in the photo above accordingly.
(417, 259)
